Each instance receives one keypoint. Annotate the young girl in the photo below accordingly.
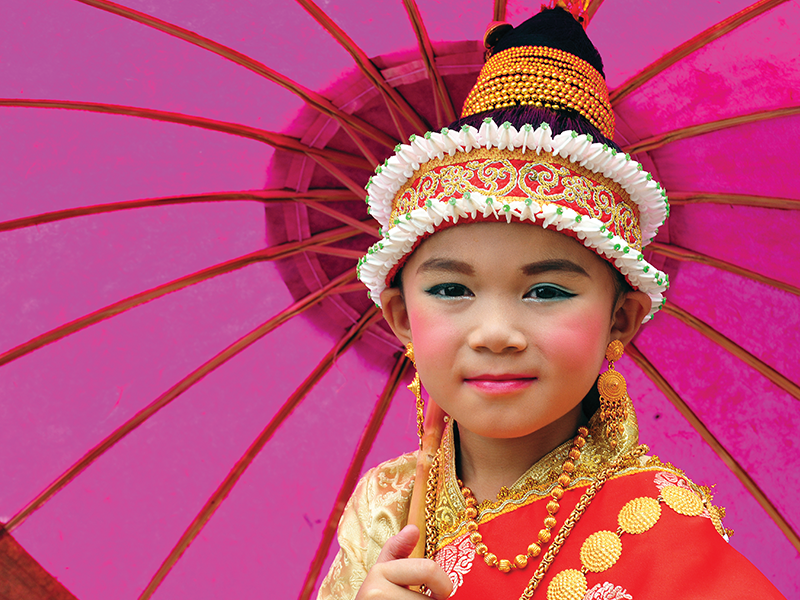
(511, 268)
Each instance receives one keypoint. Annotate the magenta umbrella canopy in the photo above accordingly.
(191, 378)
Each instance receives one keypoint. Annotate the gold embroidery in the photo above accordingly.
(567, 585)
(600, 551)
(682, 501)
(639, 515)
(491, 173)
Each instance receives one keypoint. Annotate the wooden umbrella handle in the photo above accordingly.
(431, 439)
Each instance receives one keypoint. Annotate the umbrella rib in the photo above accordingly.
(353, 471)
(393, 98)
(310, 97)
(278, 141)
(345, 179)
(369, 228)
(677, 54)
(499, 12)
(334, 251)
(715, 336)
(351, 287)
(662, 139)
(171, 394)
(272, 253)
(263, 196)
(363, 148)
(221, 493)
(684, 198)
(591, 11)
(684, 254)
(741, 474)
(429, 60)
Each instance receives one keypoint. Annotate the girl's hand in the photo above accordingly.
(394, 572)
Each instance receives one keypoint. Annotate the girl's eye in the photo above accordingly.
(449, 290)
(548, 291)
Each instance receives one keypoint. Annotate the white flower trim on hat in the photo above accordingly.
(400, 239)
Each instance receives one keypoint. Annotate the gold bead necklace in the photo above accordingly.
(520, 561)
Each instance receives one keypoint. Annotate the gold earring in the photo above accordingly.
(416, 389)
(613, 394)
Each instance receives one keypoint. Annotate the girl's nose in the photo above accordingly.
(497, 330)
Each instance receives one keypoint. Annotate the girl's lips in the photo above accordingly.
(503, 384)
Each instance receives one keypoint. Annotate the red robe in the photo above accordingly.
(679, 557)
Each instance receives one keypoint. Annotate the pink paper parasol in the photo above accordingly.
(188, 400)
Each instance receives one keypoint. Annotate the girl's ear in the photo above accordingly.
(396, 314)
(631, 309)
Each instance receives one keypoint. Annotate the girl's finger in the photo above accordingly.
(400, 545)
(415, 572)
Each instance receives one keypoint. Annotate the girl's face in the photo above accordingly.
(510, 323)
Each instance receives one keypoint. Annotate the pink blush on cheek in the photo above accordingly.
(579, 337)
(430, 334)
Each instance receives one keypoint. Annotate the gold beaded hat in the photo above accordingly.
(534, 144)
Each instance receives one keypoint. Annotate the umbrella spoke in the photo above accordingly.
(662, 384)
(683, 254)
(369, 228)
(264, 196)
(272, 253)
(346, 180)
(333, 251)
(394, 100)
(683, 198)
(218, 497)
(662, 139)
(308, 96)
(709, 35)
(352, 287)
(499, 12)
(715, 336)
(591, 10)
(353, 471)
(368, 154)
(429, 60)
(171, 394)
(278, 141)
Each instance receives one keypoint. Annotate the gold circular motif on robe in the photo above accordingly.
(682, 501)
(600, 551)
(568, 585)
(639, 515)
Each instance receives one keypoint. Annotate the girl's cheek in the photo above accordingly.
(433, 335)
(581, 336)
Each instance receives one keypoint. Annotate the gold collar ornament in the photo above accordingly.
(505, 565)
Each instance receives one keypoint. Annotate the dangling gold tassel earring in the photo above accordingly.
(416, 389)
(613, 394)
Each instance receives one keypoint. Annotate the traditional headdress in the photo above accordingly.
(561, 172)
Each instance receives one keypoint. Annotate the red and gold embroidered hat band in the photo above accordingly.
(542, 77)
(533, 145)
(511, 176)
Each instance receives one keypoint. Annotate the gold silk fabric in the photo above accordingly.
(377, 510)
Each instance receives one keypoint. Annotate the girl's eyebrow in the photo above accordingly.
(543, 266)
(558, 264)
(446, 264)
